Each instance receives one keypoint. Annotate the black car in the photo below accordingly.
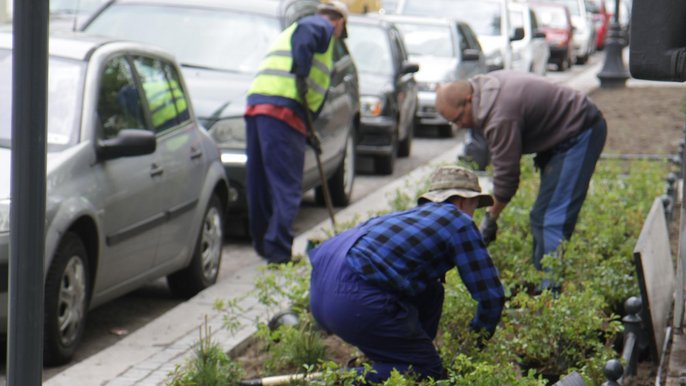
(388, 91)
(219, 45)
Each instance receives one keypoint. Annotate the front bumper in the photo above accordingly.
(235, 166)
(426, 110)
(376, 136)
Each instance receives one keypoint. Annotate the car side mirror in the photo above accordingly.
(518, 34)
(470, 54)
(539, 34)
(127, 143)
(409, 68)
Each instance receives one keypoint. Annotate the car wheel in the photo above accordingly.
(67, 290)
(204, 267)
(341, 183)
(405, 145)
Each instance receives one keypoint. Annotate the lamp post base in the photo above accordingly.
(614, 74)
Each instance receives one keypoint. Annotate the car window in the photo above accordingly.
(163, 93)
(553, 17)
(427, 40)
(534, 20)
(65, 90)
(468, 37)
(202, 37)
(119, 102)
(370, 49)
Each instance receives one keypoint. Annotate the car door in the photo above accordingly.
(132, 211)
(180, 155)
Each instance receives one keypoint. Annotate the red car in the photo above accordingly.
(601, 20)
(555, 20)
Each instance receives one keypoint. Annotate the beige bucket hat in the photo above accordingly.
(449, 181)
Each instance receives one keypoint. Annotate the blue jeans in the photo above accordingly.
(565, 176)
(393, 331)
(276, 156)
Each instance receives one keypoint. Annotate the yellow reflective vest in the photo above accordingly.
(274, 75)
(166, 101)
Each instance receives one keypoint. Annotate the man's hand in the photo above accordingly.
(488, 228)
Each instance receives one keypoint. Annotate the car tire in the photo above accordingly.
(67, 293)
(405, 145)
(341, 183)
(203, 269)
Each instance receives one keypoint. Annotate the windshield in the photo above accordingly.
(572, 5)
(65, 80)
(74, 6)
(370, 48)
(427, 40)
(553, 17)
(483, 16)
(209, 38)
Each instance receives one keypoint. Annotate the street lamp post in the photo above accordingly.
(614, 74)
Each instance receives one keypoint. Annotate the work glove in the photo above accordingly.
(488, 228)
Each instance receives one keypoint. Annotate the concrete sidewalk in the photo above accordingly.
(147, 356)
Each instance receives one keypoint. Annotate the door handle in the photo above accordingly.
(195, 153)
(156, 170)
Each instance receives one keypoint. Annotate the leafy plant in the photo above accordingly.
(209, 366)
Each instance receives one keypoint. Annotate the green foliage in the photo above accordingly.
(541, 335)
(209, 366)
(291, 347)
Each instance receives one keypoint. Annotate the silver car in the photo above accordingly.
(135, 188)
(446, 50)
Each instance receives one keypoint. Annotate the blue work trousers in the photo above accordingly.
(393, 331)
(565, 174)
(276, 155)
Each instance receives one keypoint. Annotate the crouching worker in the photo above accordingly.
(379, 285)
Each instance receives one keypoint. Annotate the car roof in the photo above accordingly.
(79, 45)
(267, 7)
(369, 20)
(426, 20)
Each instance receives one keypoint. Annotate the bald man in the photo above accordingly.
(520, 113)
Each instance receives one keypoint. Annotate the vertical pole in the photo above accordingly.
(27, 210)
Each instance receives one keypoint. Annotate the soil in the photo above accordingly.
(641, 120)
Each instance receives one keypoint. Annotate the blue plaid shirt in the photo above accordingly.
(410, 250)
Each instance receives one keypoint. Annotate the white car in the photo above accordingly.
(532, 52)
(489, 19)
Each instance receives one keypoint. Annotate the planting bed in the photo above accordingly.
(537, 331)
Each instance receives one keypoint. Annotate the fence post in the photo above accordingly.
(632, 333)
(613, 371)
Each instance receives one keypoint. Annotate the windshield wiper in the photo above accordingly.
(186, 65)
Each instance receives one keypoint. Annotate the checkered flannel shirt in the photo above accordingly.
(407, 251)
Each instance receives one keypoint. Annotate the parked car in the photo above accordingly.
(388, 91)
(584, 31)
(219, 45)
(531, 53)
(556, 22)
(446, 50)
(135, 187)
(488, 18)
(601, 21)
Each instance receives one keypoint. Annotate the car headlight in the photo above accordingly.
(4, 215)
(371, 106)
(229, 132)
